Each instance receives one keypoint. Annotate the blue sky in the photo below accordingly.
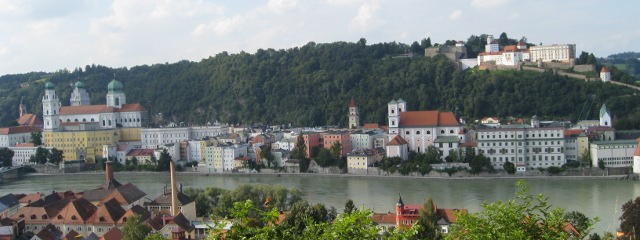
(44, 35)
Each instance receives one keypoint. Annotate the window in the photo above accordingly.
(408, 132)
(428, 132)
(442, 131)
(417, 132)
(451, 131)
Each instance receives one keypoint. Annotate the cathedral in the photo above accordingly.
(116, 113)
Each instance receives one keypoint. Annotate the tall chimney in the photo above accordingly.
(108, 170)
(174, 191)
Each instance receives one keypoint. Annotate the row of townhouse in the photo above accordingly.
(100, 212)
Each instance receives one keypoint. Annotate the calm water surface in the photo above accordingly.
(602, 198)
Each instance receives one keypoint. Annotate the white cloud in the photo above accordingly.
(280, 6)
(3, 50)
(365, 20)
(488, 3)
(455, 15)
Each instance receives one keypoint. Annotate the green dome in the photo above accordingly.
(49, 86)
(115, 86)
(79, 84)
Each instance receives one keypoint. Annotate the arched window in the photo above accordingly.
(442, 131)
(117, 101)
(428, 132)
(417, 132)
(450, 131)
(84, 120)
(68, 120)
(76, 120)
(407, 132)
(92, 120)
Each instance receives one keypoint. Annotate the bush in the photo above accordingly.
(571, 164)
(554, 170)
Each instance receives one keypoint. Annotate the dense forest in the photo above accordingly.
(311, 85)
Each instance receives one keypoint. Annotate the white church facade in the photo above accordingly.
(116, 113)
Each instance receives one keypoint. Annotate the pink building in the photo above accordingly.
(343, 138)
(311, 139)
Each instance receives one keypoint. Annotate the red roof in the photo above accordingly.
(18, 129)
(103, 108)
(572, 132)
(140, 152)
(521, 43)
(352, 103)
(427, 118)
(604, 69)
(25, 145)
(384, 218)
(510, 48)
(490, 53)
(371, 126)
(396, 141)
(29, 119)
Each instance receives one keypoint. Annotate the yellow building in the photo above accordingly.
(84, 141)
(360, 160)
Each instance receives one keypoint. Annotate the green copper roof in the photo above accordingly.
(115, 86)
(79, 84)
(604, 110)
(49, 86)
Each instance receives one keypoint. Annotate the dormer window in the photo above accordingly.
(59, 216)
(74, 217)
(44, 216)
(102, 219)
(33, 216)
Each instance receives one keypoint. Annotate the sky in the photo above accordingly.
(46, 35)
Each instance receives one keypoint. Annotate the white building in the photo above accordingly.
(555, 52)
(605, 74)
(221, 158)
(155, 137)
(528, 148)
(605, 116)
(119, 151)
(636, 159)
(422, 129)
(10, 136)
(285, 144)
(616, 153)
(362, 140)
(116, 113)
(397, 147)
(21, 155)
(354, 116)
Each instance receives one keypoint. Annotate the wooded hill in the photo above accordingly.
(312, 85)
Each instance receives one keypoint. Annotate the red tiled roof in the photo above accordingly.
(604, 69)
(132, 107)
(29, 119)
(572, 132)
(427, 118)
(352, 103)
(521, 43)
(140, 152)
(384, 218)
(25, 145)
(29, 198)
(371, 126)
(18, 129)
(103, 108)
(449, 213)
(113, 234)
(396, 141)
(510, 48)
(490, 53)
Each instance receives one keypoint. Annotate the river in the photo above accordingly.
(593, 197)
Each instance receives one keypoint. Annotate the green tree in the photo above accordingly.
(585, 158)
(509, 167)
(164, 163)
(134, 161)
(425, 43)
(55, 156)
(6, 157)
(36, 138)
(135, 228)
(41, 156)
(581, 222)
(427, 224)
(266, 155)
(601, 164)
(526, 217)
(349, 207)
(630, 219)
(324, 158)
(155, 236)
(336, 151)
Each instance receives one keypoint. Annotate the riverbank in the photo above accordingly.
(275, 174)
